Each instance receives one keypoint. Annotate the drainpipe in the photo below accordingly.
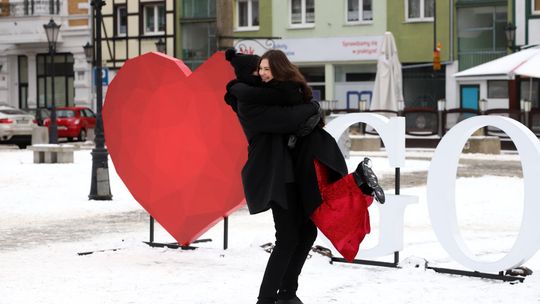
(451, 44)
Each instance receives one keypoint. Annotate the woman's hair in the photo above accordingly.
(283, 70)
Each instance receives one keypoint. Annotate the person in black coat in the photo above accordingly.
(308, 144)
(269, 181)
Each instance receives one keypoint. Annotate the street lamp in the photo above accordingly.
(482, 104)
(51, 30)
(100, 188)
(510, 32)
(160, 46)
(526, 108)
(88, 52)
(441, 106)
(362, 103)
(401, 107)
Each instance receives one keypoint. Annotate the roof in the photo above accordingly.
(519, 63)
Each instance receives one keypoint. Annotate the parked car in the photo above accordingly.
(73, 122)
(39, 113)
(15, 124)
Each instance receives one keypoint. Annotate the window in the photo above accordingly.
(154, 19)
(536, 7)
(248, 13)
(419, 9)
(302, 12)
(497, 88)
(198, 9)
(121, 20)
(481, 34)
(198, 42)
(359, 10)
(64, 90)
(88, 113)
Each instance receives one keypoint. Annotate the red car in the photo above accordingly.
(73, 122)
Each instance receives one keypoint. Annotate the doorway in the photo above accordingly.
(469, 96)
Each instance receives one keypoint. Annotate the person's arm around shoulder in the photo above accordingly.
(276, 119)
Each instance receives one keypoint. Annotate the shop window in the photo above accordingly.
(154, 19)
(359, 10)
(302, 12)
(419, 10)
(247, 12)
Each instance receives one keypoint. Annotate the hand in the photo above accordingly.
(307, 126)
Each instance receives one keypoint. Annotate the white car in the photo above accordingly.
(14, 122)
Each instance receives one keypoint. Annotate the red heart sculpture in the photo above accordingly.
(175, 143)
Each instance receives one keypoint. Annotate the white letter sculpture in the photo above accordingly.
(392, 133)
(441, 191)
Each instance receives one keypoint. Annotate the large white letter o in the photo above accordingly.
(441, 193)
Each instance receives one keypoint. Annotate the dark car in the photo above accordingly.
(39, 113)
(73, 122)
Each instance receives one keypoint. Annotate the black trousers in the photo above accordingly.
(295, 234)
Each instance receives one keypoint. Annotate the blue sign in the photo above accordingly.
(104, 76)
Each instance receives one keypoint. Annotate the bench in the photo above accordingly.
(52, 153)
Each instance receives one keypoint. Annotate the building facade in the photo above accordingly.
(133, 27)
(25, 63)
(197, 31)
(420, 27)
(486, 37)
(335, 43)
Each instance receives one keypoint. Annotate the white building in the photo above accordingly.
(25, 80)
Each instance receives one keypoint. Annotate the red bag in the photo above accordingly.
(343, 216)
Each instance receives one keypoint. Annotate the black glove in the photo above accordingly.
(307, 126)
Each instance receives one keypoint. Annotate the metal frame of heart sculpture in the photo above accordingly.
(174, 142)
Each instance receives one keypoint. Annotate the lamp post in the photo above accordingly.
(100, 188)
(401, 107)
(441, 107)
(362, 105)
(482, 104)
(89, 52)
(160, 46)
(510, 32)
(51, 30)
(526, 108)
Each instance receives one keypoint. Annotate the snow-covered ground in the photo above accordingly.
(46, 219)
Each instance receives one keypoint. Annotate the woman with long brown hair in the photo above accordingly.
(315, 180)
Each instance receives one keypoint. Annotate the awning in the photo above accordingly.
(523, 63)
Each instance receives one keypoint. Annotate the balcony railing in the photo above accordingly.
(470, 58)
(17, 8)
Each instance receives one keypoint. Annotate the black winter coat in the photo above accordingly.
(319, 144)
(269, 166)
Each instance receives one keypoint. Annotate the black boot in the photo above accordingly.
(367, 180)
(294, 300)
(286, 296)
